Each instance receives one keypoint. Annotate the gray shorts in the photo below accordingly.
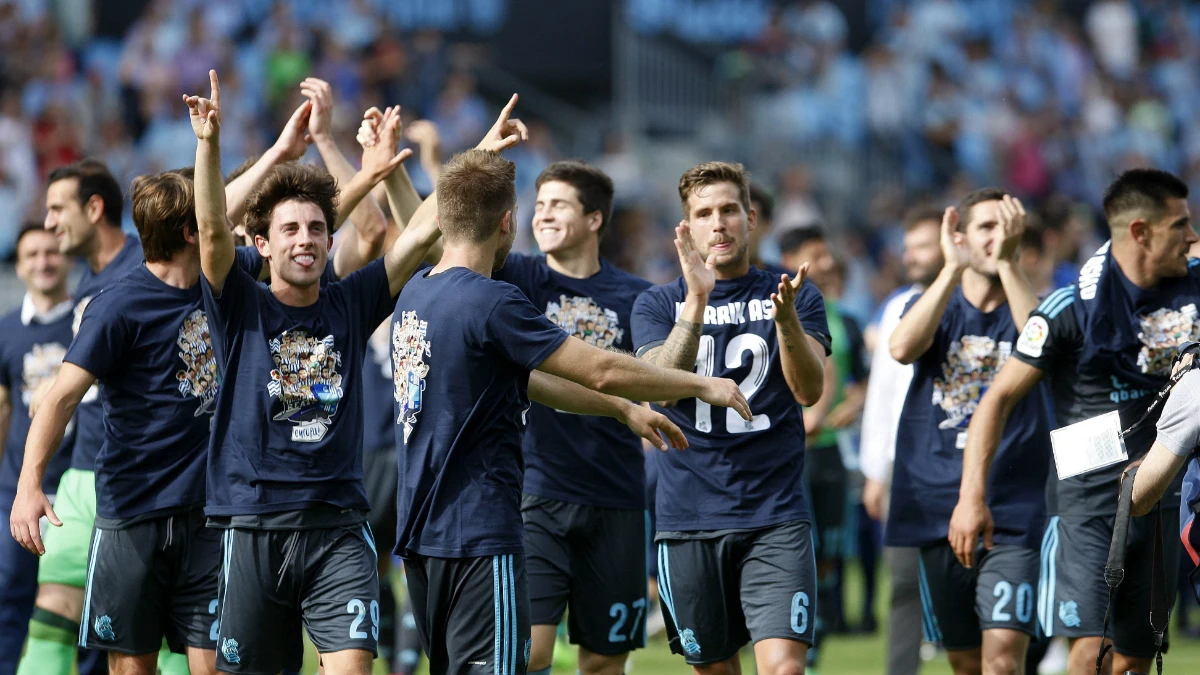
(722, 592)
(960, 603)
(274, 581)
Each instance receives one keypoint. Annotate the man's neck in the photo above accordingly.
(579, 262)
(478, 259)
(1134, 264)
(733, 270)
(44, 302)
(181, 271)
(983, 292)
(107, 243)
(295, 296)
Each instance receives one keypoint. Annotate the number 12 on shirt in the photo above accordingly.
(759, 364)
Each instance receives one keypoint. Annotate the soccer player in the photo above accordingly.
(83, 212)
(735, 553)
(886, 392)
(33, 340)
(285, 462)
(584, 503)
(152, 570)
(463, 350)
(1107, 345)
(957, 334)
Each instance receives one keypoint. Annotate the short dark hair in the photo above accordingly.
(793, 239)
(475, 189)
(1031, 239)
(28, 228)
(765, 200)
(922, 214)
(711, 173)
(164, 209)
(95, 180)
(1142, 189)
(594, 187)
(290, 181)
(984, 194)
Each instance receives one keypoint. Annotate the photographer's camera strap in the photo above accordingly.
(1114, 569)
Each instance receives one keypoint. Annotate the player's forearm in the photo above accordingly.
(216, 239)
(914, 334)
(413, 244)
(683, 342)
(983, 439)
(803, 368)
(569, 397)
(402, 197)
(624, 376)
(1153, 477)
(237, 193)
(1022, 299)
(45, 435)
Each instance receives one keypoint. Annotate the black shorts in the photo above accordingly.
(472, 614)
(155, 578)
(736, 587)
(272, 581)
(379, 480)
(827, 484)
(592, 560)
(960, 603)
(1073, 596)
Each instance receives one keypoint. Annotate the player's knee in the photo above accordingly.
(727, 667)
(1005, 663)
(781, 663)
(132, 664)
(65, 601)
(591, 663)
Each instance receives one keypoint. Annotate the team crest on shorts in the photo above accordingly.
(229, 649)
(104, 629)
(687, 640)
(586, 320)
(409, 351)
(198, 377)
(1162, 331)
(1068, 613)
(970, 365)
(305, 383)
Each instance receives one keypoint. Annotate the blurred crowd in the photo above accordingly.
(1048, 99)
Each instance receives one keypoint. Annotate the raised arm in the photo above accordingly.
(1022, 298)
(621, 375)
(972, 516)
(914, 334)
(290, 146)
(45, 435)
(679, 350)
(800, 354)
(216, 239)
(567, 396)
(402, 197)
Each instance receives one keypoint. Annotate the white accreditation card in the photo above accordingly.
(1088, 445)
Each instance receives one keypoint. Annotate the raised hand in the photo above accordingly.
(320, 95)
(1009, 228)
(784, 297)
(648, 424)
(954, 251)
(294, 140)
(506, 132)
(425, 134)
(726, 394)
(368, 129)
(205, 113)
(697, 272)
(381, 158)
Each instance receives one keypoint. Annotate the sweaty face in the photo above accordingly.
(559, 222)
(298, 246)
(923, 253)
(720, 224)
(40, 265)
(65, 217)
(982, 234)
(1170, 238)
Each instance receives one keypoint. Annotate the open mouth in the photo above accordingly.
(304, 259)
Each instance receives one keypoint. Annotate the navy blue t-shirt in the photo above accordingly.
(288, 428)
(89, 415)
(463, 346)
(949, 379)
(148, 345)
(379, 425)
(30, 355)
(735, 474)
(581, 459)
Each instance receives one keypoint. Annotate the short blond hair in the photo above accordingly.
(474, 191)
(711, 173)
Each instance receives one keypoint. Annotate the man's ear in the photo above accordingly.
(751, 218)
(1139, 229)
(263, 246)
(94, 209)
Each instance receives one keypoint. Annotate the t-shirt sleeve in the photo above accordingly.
(937, 347)
(858, 351)
(1052, 336)
(226, 312)
(650, 320)
(1179, 426)
(520, 333)
(370, 295)
(810, 307)
(103, 338)
(249, 259)
(516, 271)
(329, 275)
